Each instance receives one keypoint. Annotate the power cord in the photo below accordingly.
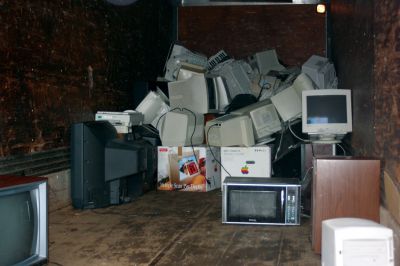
(312, 150)
(191, 136)
(265, 86)
(215, 158)
(161, 116)
(291, 131)
(341, 147)
(280, 143)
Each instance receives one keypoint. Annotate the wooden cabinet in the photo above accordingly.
(343, 187)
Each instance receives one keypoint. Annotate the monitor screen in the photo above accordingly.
(326, 109)
(326, 112)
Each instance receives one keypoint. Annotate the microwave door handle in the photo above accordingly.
(282, 202)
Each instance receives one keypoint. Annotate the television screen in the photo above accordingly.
(16, 228)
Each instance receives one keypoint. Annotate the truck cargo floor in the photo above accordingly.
(172, 228)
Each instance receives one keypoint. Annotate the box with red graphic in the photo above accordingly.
(246, 161)
(188, 169)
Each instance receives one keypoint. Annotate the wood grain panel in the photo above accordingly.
(343, 187)
(9, 181)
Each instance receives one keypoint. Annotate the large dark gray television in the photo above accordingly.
(106, 169)
(88, 141)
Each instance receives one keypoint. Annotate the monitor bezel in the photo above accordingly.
(332, 128)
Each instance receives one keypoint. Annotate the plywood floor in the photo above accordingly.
(172, 228)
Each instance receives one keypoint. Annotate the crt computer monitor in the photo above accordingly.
(266, 61)
(264, 118)
(23, 220)
(153, 106)
(216, 92)
(237, 75)
(182, 128)
(230, 130)
(288, 101)
(193, 93)
(321, 72)
(180, 55)
(326, 114)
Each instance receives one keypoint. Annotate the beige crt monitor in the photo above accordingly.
(326, 114)
(266, 61)
(288, 102)
(193, 93)
(153, 106)
(321, 72)
(216, 88)
(230, 130)
(182, 128)
(356, 242)
(264, 118)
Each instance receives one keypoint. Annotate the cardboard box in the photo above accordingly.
(181, 169)
(246, 161)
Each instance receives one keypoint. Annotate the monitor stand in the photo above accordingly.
(324, 139)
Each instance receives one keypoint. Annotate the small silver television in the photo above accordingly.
(23, 220)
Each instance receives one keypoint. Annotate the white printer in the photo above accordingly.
(122, 121)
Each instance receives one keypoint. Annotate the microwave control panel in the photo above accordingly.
(293, 205)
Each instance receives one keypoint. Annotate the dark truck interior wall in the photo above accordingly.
(353, 55)
(63, 61)
(295, 31)
(366, 53)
